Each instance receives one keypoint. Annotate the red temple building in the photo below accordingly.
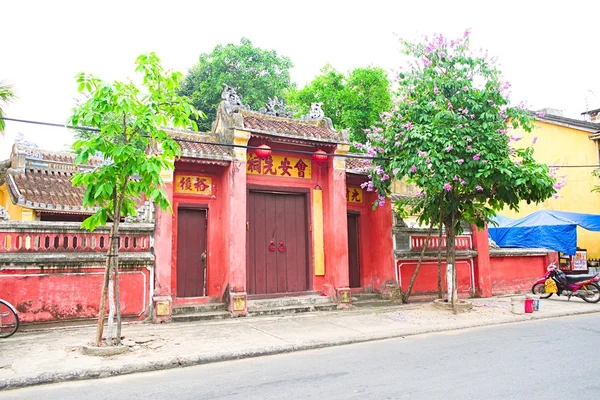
(267, 205)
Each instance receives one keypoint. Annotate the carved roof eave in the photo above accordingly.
(291, 140)
(357, 171)
(204, 161)
(303, 139)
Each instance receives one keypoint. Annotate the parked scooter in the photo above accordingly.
(556, 281)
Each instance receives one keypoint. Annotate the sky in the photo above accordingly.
(549, 54)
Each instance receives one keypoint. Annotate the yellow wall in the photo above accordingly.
(561, 145)
(16, 213)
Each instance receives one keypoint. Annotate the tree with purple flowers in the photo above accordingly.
(449, 133)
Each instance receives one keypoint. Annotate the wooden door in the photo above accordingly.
(191, 252)
(353, 252)
(277, 246)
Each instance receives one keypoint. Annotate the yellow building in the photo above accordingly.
(567, 143)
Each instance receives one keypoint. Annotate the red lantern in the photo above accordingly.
(263, 151)
(319, 156)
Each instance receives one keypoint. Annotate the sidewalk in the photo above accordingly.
(53, 355)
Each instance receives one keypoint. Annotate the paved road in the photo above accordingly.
(516, 361)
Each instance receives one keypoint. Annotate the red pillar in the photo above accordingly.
(237, 227)
(482, 265)
(336, 228)
(163, 237)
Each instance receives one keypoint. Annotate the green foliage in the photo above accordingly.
(449, 134)
(255, 73)
(131, 138)
(6, 96)
(353, 102)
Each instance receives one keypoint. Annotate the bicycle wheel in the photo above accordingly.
(9, 320)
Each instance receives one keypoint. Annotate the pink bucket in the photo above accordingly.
(528, 305)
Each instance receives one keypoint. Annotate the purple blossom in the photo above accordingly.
(467, 33)
(540, 114)
(447, 187)
(463, 182)
(381, 203)
(455, 178)
(436, 90)
(472, 116)
(469, 147)
(465, 88)
(476, 157)
(556, 196)
(460, 161)
(449, 105)
(385, 177)
(459, 126)
(359, 146)
(516, 138)
(442, 54)
(449, 148)
(413, 169)
(420, 194)
(469, 140)
(534, 140)
(421, 153)
(426, 61)
(408, 125)
(485, 161)
(479, 188)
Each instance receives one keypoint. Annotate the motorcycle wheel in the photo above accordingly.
(540, 289)
(592, 287)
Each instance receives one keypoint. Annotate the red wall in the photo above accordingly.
(426, 281)
(512, 274)
(217, 227)
(61, 293)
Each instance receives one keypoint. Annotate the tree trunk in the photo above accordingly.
(102, 310)
(439, 260)
(451, 256)
(414, 277)
(118, 298)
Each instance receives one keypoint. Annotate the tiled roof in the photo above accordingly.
(315, 130)
(199, 145)
(358, 165)
(51, 191)
(570, 122)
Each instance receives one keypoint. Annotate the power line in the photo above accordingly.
(83, 128)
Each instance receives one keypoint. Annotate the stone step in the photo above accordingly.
(293, 309)
(372, 303)
(365, 296)
(198, 308)
(201, 316)
(261, 304)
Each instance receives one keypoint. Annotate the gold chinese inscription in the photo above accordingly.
(354, 195)
(193, 184)
(282, 166)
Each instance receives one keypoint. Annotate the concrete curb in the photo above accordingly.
(176, 362)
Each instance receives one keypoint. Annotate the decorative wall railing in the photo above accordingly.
(64, 237)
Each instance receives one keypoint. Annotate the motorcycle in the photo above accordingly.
(582, 286)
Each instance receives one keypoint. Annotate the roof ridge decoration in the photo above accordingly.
(232, 100)
(276, 108)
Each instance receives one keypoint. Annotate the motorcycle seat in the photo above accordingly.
(579, 278)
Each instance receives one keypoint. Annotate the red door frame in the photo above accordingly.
(201, 299)
(356, 214)
(253, 187)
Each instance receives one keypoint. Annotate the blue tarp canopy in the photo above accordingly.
(556, 230)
